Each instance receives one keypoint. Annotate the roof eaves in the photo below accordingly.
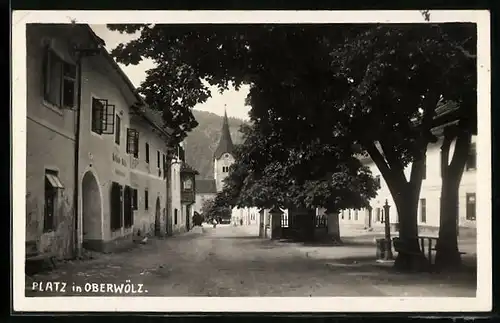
(125, 78)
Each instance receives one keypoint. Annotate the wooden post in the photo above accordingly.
(275, 224)
(388, 246)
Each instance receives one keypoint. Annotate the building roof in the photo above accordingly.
(225, 142)
(206, 186)
(186, 168)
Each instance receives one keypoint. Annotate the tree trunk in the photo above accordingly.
(333, 226)
(447, 253)
(405, 195)
(412, 257)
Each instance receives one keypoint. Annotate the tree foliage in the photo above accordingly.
(315, 91)
(306, 176)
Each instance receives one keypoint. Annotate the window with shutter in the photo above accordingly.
(103, 117)
(127, 207)
(52, 187)
(134, 199)
(98, 107)
(164, 166)
(116, 206)
(59, 82)
(118, 130)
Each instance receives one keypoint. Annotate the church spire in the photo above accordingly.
(225, 142)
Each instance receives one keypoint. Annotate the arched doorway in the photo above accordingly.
(158, 218)
(91, 211)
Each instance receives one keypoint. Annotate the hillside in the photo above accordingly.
(202, 141)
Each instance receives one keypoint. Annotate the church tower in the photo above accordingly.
(223, 156)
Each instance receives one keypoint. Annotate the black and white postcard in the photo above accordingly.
(251, 161)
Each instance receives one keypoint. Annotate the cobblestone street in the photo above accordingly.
(232, 261)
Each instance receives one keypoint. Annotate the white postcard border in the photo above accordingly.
(483, 300)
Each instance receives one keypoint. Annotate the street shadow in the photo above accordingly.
(345, 243)
(252, 238)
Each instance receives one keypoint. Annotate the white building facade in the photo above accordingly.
(429, 200)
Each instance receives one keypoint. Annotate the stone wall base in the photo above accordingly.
(118, 244)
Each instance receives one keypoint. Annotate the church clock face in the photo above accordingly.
(226, 156)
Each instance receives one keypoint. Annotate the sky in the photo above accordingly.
(233, 100)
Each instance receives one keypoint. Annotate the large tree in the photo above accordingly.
(399, 75)
(377, 85)
(266, 175)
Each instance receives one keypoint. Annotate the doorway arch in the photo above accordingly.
(91, 211)
(158, 217)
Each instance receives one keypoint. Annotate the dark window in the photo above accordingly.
(424, 170)
(146, 199)
(164, 166)
(356, 215)
(134, 199)
(349, 215)
(52, 185)
(133, 142)
(175, 216)
(147, 153)
(103, 117)
(423, 210)
(471, 158)
(116, 206)
(377, 215)
(128, 219)
(471, 206)
(377, 180)
(117, 130)
(342, 214)
(158, 158)
(59, 80)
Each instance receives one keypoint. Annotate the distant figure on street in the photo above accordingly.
(241, 221)
(214, 222)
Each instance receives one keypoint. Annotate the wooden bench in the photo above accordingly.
(400, 246)
(34, 256)
(430, 246)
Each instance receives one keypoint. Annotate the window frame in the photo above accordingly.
(50, 56)
(118, 132)
(135, 199)
(423, 210)
(146, 199)
(116, 216)
(146, 152)
(471, 156)
(106, 117)
(468, 207)
(132, 142)
(50, 225)
(424, 169)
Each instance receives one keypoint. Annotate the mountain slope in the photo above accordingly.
(202, 141)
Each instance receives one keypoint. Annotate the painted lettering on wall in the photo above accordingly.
(119, 160)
